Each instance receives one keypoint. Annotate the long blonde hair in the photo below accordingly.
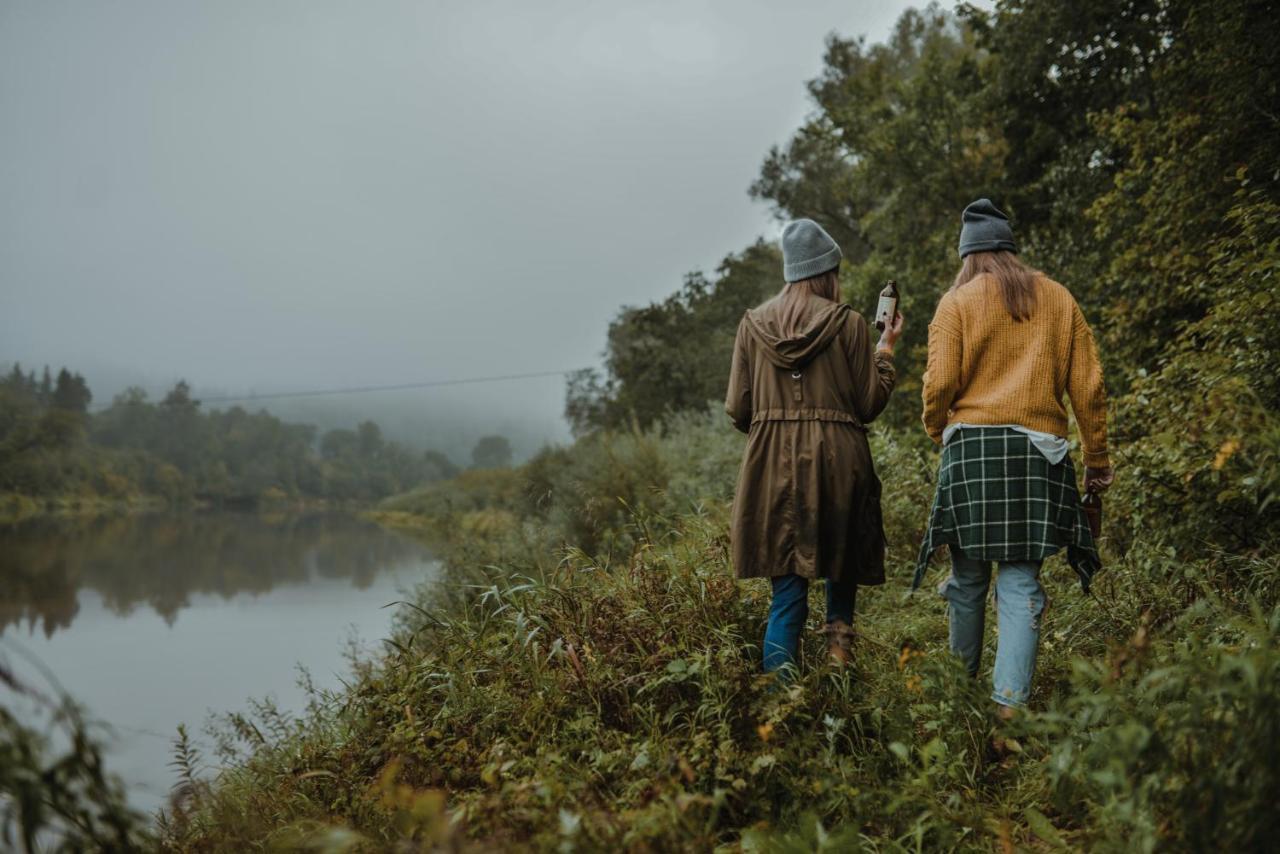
(795, 294)
(1017, 281)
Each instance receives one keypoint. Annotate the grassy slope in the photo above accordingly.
(543, 696)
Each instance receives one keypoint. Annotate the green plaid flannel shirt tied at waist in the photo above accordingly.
(999, 499)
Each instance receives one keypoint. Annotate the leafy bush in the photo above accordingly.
(63, 800)
(593, 496)
(1201, 435)
(1174, 744)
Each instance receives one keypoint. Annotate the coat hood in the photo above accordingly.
(796, 351)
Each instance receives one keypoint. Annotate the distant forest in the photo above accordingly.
(52, 446)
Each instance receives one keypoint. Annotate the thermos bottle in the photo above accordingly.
(888, 305)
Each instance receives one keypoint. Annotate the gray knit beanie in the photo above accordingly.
(984, 229)
(807, 250)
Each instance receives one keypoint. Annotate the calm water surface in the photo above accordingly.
(150, 621)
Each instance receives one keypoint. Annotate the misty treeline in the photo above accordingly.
(52, 446)
(1134, 145)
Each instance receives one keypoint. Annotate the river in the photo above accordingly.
(154, 620)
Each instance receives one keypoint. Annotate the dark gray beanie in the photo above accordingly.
(807, 250)
(984, 229)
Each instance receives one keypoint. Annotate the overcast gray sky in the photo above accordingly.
(280, 195)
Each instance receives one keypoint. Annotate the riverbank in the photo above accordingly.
(546, 696)
(16, 508)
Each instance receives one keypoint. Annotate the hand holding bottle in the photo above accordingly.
(891, 334)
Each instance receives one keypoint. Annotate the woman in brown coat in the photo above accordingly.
(805, 383)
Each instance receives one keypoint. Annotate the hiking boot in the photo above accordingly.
(1002, 747)
(839, 641)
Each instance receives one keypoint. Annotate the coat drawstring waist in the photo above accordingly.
(808, 414)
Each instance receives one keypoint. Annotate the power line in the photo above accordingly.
(230, 398)
(369, 388)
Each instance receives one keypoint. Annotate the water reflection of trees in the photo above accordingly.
(161, 561)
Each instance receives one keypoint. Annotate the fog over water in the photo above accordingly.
(293, 195)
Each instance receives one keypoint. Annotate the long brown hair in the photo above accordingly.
(795, 294)
(1017, 281)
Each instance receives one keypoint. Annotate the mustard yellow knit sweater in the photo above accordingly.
(985, 368)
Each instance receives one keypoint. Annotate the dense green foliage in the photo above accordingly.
(51, 447)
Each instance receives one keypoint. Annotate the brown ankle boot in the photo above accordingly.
(839, 641)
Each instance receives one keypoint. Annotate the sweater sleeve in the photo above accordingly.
(872, 370)
(737, 402)
(1087, 393)
(942, 368)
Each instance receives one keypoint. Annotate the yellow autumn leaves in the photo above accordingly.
(1225, 453)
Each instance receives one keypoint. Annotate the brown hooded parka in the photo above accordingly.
(808, 499)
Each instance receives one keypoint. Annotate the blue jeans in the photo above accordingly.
(789, 611)
(1020, 602)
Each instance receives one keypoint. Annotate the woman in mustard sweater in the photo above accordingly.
(1005, 345)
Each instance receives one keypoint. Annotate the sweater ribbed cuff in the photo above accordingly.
(1097, 459)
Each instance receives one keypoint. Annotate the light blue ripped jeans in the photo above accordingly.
(1020, 603)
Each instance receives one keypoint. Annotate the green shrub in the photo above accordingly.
(1174, 743)
(64, 799)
